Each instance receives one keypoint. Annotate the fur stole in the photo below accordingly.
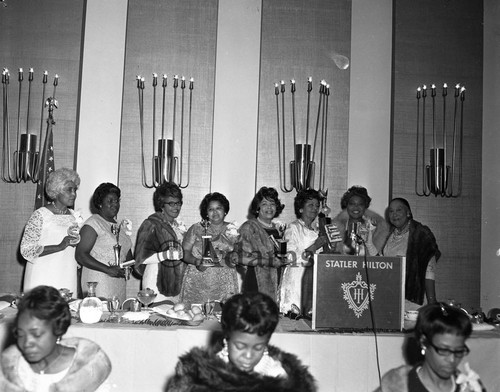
(90, 368)
(201, 370)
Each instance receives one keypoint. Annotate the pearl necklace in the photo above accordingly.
(399, 233)
(58, 211)
(268, 225)
(51, 363)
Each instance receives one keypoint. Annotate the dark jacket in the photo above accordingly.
(421, 248)
(201, 370)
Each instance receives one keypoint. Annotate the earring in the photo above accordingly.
(266, 352)
(423, 351)
(58, 340)
(225, 351)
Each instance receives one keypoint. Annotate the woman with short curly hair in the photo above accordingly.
(359, 226)
(214, 278)
(51, 234)
(256, 250)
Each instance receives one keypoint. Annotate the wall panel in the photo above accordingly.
(436, 42)
(175, 38)
(46, 36)
(301, 39)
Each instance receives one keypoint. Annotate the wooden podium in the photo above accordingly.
(341, 292)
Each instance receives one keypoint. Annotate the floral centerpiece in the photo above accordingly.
(469, 380)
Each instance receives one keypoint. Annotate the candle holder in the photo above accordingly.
(442, 176)
(165, 165)
(303, 166)
(27, 162)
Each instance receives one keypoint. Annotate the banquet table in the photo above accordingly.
(144, 356)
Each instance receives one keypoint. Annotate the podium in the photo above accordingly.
(342, 292)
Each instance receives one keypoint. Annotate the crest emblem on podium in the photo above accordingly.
(356, 294)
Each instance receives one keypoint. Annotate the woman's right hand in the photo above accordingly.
(116, 272)
(67, 241)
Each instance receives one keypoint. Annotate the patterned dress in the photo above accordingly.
(56, 269)
(103, 252)
(215, 283)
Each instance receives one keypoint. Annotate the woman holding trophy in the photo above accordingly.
(158, 250)
(105, 244)
(210, 275)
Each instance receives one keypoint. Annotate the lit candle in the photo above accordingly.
(424, 91)
(176, 81)
(56, 79)
(282, 86)
(183, 83)
(191, 83)
(20, 78)
(142, 82)
(309, 84)
(445, 90)
(327, 92)
(293, 85)
(457, 89)
(462, 93)
(433, 90)
(30, 76)
(419, 89)
(138, 78)
(155, 80)
(164, 81)
(322, 86)
(45, 77)
(7, 76)
(276, 88)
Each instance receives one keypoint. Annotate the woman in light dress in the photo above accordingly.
(51, 234)
(303, 241)
(96, 252)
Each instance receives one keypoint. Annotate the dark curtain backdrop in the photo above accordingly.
(437, 41)
(301, 39)
(45, 36)
(176, 37)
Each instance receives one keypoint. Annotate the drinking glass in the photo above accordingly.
(208, 308)
(113, 306)
(146, 297)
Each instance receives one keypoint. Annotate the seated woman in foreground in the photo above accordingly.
(244, 361)
(441, 331)
(41, 361)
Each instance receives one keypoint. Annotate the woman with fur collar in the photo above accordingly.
(244, 361)
(41, 361)
(368, 227)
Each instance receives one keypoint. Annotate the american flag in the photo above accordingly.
(46, 167)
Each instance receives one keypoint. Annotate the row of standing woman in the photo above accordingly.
(248, 257)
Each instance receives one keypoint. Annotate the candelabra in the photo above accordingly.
(26, 163)
(165, 166)
(438, 177)
(302, 167)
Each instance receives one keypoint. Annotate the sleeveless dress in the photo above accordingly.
(56, 269)
(103, 252)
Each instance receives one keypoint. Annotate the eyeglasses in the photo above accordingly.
(174, 204)
(445, 352)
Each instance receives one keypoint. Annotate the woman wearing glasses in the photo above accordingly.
(158, 250)
(441, 331)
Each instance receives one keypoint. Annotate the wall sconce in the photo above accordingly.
(165, 166)
(26, 163)
(302, 167)
(443, 175)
